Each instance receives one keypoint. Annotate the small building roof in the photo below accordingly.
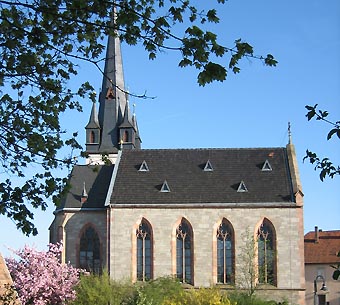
(322, 247)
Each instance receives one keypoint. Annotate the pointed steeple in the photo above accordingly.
(127, 120)
(84, 195)
(293, 167)
(138, 140)
(93, 131)
(112, 99)
(114, 112)
(127, 130)
(93, 121)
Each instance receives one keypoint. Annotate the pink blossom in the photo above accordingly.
(40, 278)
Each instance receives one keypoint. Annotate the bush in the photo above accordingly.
(202, 296)
(101, 290)
(242, 298)
(156, 291)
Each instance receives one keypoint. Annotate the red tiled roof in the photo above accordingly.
(325, 250)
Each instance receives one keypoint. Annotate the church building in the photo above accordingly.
(189, 213)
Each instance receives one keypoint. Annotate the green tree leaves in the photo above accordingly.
(43, 42)
(324, 165)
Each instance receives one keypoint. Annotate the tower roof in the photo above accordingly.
(93, 121)
(114, 112)
(127, 120)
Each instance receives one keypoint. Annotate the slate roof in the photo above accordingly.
(183, 170)
(325, 250)
(97, 179)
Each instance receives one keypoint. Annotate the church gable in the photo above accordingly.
(184, 171)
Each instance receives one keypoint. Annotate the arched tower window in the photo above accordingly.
(89, 251)
(266, 244)
(144, 251)
(225, 253)
(92, 137)
(184, 252)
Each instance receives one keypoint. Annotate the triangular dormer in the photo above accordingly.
(208, 167)
(144, 167)
(242, 187)
(266, 166)
(165, 187)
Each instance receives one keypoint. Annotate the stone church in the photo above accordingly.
(190, 213)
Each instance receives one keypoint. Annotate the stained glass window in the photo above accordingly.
(266, 253)
(225, 253)
(184, 252)
(89, 254)
(144, 251)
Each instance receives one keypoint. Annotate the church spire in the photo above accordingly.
(113, 106)
(112, 99)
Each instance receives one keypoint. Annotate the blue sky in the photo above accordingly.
(251, 109)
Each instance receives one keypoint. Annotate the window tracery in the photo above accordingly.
(184, 252)
(144, 251)
(225, 253)
(89, 251)
(266, 238)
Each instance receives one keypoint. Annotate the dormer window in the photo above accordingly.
(144, 167)
(165, 187)
(266, 166)
(242, 188)
(208, 167)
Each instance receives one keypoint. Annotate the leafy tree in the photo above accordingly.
(39, 278)
(42, 44)
(324, 165)
(247, 265)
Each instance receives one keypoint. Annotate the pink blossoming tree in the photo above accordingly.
(39, 277)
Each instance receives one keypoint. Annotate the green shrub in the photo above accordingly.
(156, 291)
(101, 290)
(242, 298)
(202, 296)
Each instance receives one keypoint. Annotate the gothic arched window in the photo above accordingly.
(144, 251)
(266, 244)
(225, 253)
(184, 252)
(89, 251)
